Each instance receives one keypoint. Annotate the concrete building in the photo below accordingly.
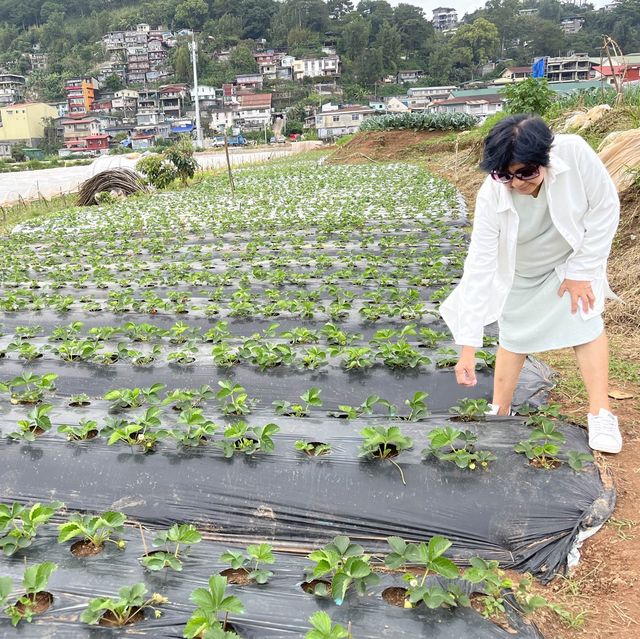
(444, 18)
(480, 106)
(409, 75)
(80, 94)
(316, 67)
(333, 121)
(572, 25)
(12, 88)
(254, 112)
(24, 123)
(172, 99)
(568, 68)
(513, 74)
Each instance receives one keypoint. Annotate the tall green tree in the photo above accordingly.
(338, 9)
(191, 13)
(355, 37)
(480, 37)
(182, 65)
(389, 42)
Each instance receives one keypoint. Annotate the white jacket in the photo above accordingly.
(584, 207)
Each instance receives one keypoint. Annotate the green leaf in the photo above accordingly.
(36, 577)
(438, 546)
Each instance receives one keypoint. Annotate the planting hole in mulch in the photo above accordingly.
(92, 434)
(316, 451)
(392, 451)
(43, 601)
(545, 465)
(79, 404)
(237, 576)
(110, 621)
(85, 548)
(311, 587)
(395, 596)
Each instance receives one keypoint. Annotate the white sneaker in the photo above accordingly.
(494, 408)
(604, 434)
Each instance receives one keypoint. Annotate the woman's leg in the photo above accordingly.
(508, 367)
(593, 360)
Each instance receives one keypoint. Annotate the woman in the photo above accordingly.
(544, 221)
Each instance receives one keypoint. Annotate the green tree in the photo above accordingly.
(355, 37)
(377, 12)
(413, 26)
(389, 42)
(242, 61)
(113, 82)
(191, 13)
(182, 65)
(338, 9)
(480, 37)
(532, 95)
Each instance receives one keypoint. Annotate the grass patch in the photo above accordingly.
(10, 216)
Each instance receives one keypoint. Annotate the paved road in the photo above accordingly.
(47, 183)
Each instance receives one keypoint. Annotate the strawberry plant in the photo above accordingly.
(310, 398)
(143, 432)
(239, 438)
(354, 357)
(577, 460)
(146, 358)
(384, 443)
(79, 400)
(86, 429)
(186, 355)
(26, 350)
(323, 628)
(35, 598)
(224, 355)
(486, 359)
(301, 335)
(470, 410)
(182, 536)
(543, 445)
(95, 530)
(427, 560)
(343, 564)
(128, 608)
(234, 399)
(212, 602)
(218, 333)
(430, 338)
(195, 428)
(29, 388)
(447, 357)
(313, 449)
(457, 446)
(313, 357)
(77, 350)
(418, 406)
(37, 423)
(125, 398)
(27, 332)
(249, 563)
(19, 524)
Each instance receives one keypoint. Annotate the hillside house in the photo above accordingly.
(333, 121)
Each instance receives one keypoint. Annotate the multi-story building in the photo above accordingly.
(148, 99)
(571, 68)
(172, 100)
(444, 18)
(208, 97)
(254, 112)
(12, 88)
(572, 25)
(328, 66)
(80, 94)
(249, 81)
(333, 121)
(24, 123)
(137, 64)
(38, 61)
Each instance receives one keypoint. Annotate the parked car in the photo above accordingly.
(232, 140)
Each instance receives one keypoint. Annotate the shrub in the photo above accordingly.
(532, 95)
(158, 170)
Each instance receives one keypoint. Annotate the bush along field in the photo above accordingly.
(234, 415)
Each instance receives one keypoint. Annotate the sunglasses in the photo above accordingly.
(526, 173)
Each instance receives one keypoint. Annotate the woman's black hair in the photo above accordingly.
(523, 138)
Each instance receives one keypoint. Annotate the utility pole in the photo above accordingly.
(194, 58)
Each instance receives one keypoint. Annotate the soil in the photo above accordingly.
(602, 590)
(92, 434)
(42, 599)
(545, 465)
(109, 620)
(499, 619)
(85, 548)
(237, 576)
(395, 596)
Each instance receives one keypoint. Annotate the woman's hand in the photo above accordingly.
(466, 367)
(579, 290)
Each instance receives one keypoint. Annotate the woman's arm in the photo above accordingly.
(600, 221)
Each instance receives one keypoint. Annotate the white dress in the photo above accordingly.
(534, 317)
